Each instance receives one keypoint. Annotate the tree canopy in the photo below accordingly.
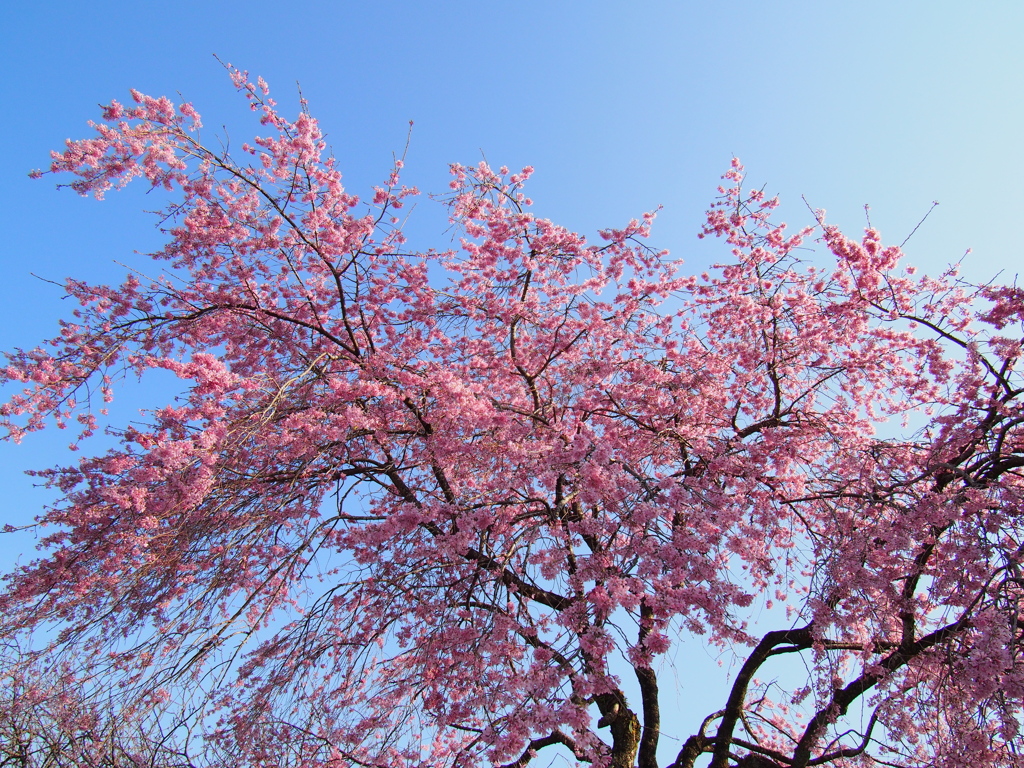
(459, 507)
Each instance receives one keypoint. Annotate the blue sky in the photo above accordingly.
(620, 106)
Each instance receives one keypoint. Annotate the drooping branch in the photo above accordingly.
(555, 737)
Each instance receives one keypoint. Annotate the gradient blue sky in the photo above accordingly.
(620, 106)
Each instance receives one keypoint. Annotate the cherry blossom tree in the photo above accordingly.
(457, 508)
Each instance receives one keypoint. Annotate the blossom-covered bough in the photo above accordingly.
(456, 508)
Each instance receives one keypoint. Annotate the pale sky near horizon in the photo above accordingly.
(620, 106)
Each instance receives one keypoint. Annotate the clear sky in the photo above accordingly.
(620, 106)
